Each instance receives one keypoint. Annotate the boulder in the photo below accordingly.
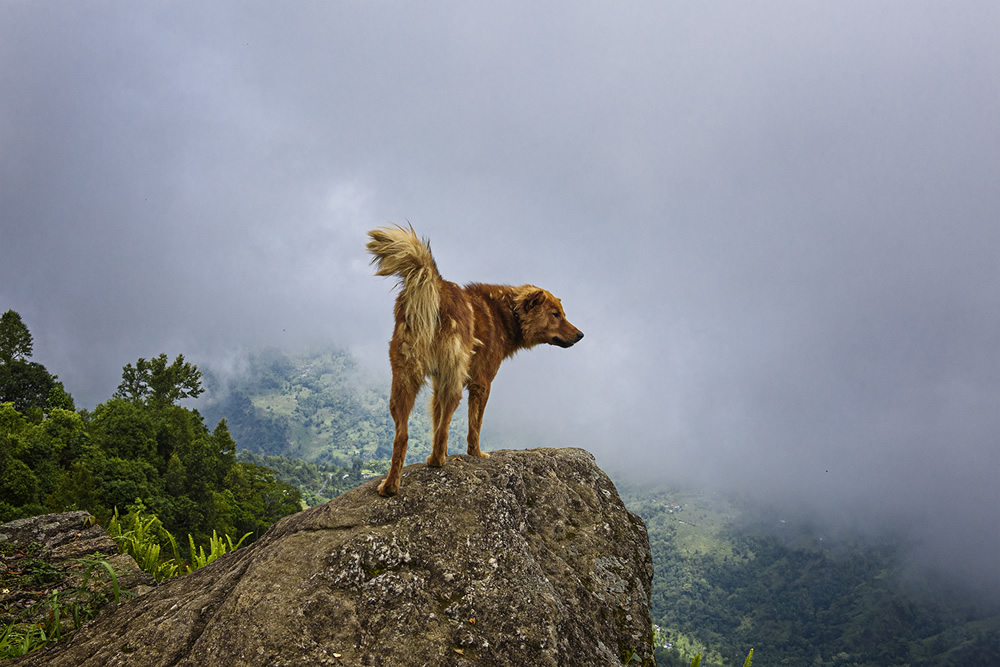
(526, 558)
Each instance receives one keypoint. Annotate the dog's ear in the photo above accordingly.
(533, 300)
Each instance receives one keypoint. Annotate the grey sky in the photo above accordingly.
(778, 224)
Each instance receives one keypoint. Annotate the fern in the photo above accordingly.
(217, 547)
(143, 540)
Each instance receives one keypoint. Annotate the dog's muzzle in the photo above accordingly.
(561, 342)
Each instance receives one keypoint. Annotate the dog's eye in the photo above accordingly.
(556, 314)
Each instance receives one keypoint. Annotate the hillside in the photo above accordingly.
(316, 407)
(728, 576)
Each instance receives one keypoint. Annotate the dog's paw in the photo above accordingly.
(387, 491)
(481, 454)
(436, 462)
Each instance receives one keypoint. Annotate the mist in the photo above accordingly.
(777, 225)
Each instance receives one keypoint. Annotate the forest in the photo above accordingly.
(138, 447)
(298, 430)
(731, 576)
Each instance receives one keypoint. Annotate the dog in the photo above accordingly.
(458, 336)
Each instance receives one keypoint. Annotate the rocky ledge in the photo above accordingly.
(527, 558)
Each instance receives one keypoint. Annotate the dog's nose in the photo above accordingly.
(579, 335)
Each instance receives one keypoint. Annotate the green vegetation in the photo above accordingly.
(142, 535)
(315, 407)
(39, 607)
(139, 446)
(727, 581)
(40, 604)
(317, 483)
(26, 384)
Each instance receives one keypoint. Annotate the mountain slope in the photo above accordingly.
(727, 576)
(733, 577)
(315, 406)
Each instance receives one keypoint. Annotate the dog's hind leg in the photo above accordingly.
(478, 395)
(404, 392)
(443, 403)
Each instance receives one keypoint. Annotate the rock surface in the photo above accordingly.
(527, 558)
(65, 542)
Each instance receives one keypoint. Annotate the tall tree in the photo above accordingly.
(15, 339)
(25, 383)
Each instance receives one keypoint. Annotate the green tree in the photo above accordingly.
(260, 498)
(25, 383)
(158, 384)
(137, 447)
(18, 483)
(77, 489)
(175, 479)
(124, 429)
(15, 339)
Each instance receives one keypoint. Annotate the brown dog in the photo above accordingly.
(458, 336)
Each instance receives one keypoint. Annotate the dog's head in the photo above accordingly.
(543, 319)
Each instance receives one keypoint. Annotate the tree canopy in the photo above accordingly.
(26, 384)
(158, 384)
(139, 447)
(15, 339)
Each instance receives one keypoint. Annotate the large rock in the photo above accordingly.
(528, 558)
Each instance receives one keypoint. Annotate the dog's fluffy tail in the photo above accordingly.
(400, 252)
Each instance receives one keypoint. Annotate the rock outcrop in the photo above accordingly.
(527, 558)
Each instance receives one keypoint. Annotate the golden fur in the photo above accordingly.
(457, 336)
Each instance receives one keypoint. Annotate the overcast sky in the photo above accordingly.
(777, 223)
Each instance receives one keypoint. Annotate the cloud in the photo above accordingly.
(776, 225)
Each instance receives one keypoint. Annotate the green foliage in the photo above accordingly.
(19, 639)
(217, 547)
(725, 582)
(142, 535)
(137, 445)
(93, 563)
(316, 407)
(157, 384)
(630, 657)
(26, 384)
(316, 483)
(15, 339)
